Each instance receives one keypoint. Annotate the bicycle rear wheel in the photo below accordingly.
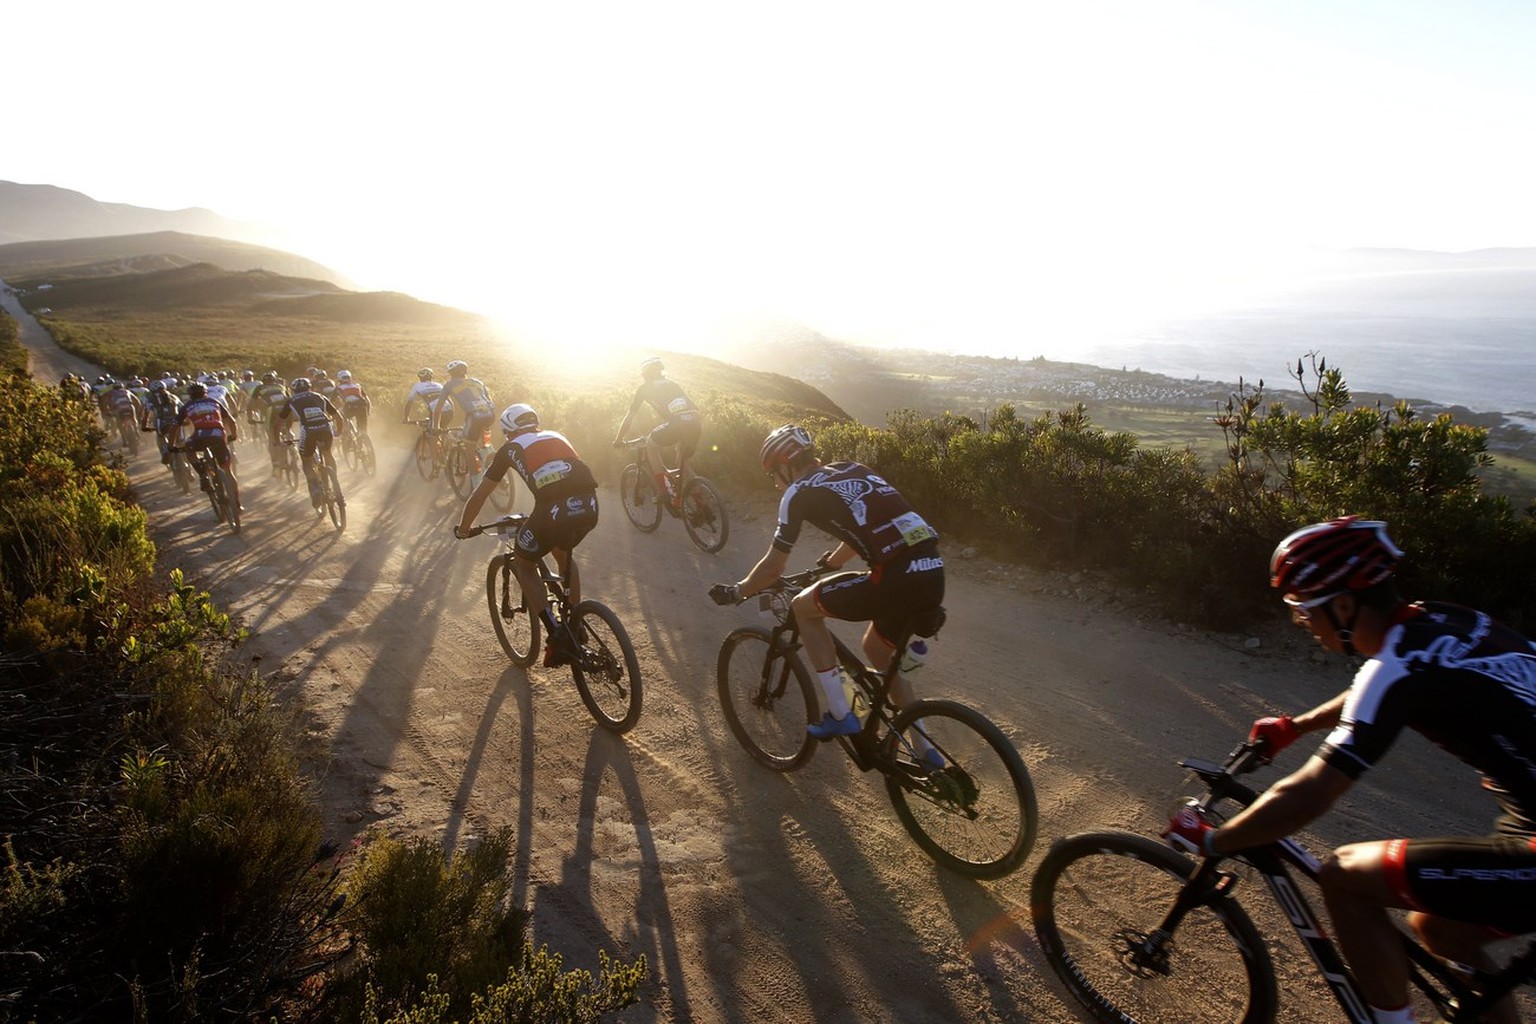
(349, 451)
(704, 515)
(766, 704)
(505, 494)
(181, 472)
(606, 669)
(292, 472)
(335, 504)
(226, 490)
(638, 492)
(426, 456)
(367, 458)
(461, 469)
(1099, 901)
(976, 815)
(516, 629)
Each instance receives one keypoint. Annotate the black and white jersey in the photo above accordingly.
(850, 502)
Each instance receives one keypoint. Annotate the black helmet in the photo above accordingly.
(651, 368)
(196, 390)
(300, 384)
(785, 444)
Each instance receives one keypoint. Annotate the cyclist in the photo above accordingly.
(314, 414)
(425, 390)
(322, 384)
(353, 400)
(1464, 681)
(122, 404)
(680, 425)
(247, 388)
(564, 511)
(213, 428)
(870, 519)
(468, 395)
(165, 409)
(266, 402)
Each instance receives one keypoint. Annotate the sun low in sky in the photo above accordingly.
(1010, 177)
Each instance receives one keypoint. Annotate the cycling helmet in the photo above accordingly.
(270, 377)
(196, 390)
(650, 368)
(458, 368)
(784, 445)
(425, 373)
(247, 374)
(517, 418)
(1327, 558)
(300, 384)
(157, 385)
(344, 376)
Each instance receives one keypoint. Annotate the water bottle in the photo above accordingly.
(913, 657)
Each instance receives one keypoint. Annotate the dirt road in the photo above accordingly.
(754, 896)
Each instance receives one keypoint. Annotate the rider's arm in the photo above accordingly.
(1287, 806)
(634, 407)
(1324, 716)
(839, 555)
(768, 568)
(476, 502)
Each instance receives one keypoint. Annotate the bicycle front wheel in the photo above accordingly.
(976, 814)
(767, 703)
(516, 629)
(638, 492)
(367, 458)
(226, 488)
(1099, 902)
(704, 515)
(606, 669)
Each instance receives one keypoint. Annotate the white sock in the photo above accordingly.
(1402, 1015)
(832, 688)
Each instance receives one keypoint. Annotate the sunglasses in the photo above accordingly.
(1302, 608)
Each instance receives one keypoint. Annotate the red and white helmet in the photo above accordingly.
(1334, 557)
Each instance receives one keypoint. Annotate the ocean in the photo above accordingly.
(1448, 337)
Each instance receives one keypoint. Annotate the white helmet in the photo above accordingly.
(517, 418)
(344, 375)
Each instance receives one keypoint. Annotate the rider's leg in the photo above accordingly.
(817, 639)
(1357, 889)
(569, 573)
(527, 574)
(1467, 944)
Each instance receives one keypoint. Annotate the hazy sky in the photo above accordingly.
(1012, 174)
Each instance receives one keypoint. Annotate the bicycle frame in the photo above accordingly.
(554, 583)
(1456, 998)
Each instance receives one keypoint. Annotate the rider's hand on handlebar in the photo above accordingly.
(1189, 832)
(725, 593)
(1273, 735)
(465, 534)
(825, 561)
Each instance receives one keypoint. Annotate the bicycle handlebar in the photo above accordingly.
(499, 525)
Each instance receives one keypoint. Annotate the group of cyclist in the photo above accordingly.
(1450, 673)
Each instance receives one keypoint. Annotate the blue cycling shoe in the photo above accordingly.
(933, 759)
(829, 727)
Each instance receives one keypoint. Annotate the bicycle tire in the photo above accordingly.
(426, 456)
(516, 630)
(367, 458)
(349, 452)
(460, 471)
(505, 494)
(977, 815)
(606, 670)
(638, 493)
(335, 504)
(226, 487)
(216, 497)
(768, 720)
(1095, 896)
(704, 515)
(292, 471)
(181, 472)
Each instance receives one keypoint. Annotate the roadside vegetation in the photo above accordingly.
(162, 855)
(12, 355)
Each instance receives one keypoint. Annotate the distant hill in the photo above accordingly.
(137, 254)
(41, 212)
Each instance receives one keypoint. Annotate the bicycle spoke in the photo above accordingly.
(606, 670)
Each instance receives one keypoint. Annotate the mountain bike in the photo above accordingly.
(1142, 933)
(327, 485)
(602, 659)
(466, 464)
(697, 503)
(288, 459)
(128, 431)
(215, 482)
(974, 813)
(357, 449)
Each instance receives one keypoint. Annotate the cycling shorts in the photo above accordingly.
(1489, 880)
(312, 438)
(889, 594)
(684, 433)
(217, 446)
(559, 523)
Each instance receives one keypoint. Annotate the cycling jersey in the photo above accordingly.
(1463, 681)
(547, 463)
(270, 395)
(848, 501)
(205, 416)
(351, 397)
(165, 408)
(122, 403)
(468, 395)
(665, 398)
(312, 412)
(427, 392)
